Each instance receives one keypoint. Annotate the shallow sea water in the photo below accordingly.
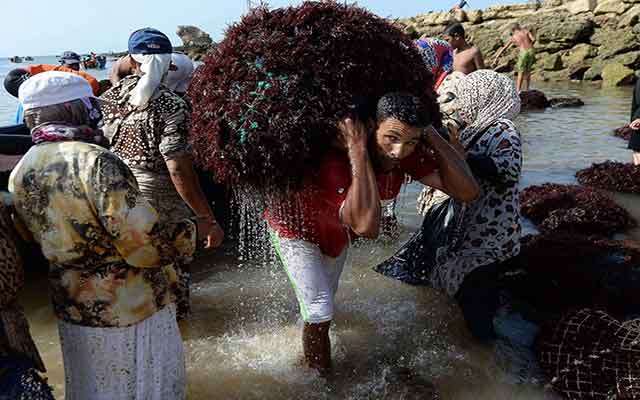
(390, 340)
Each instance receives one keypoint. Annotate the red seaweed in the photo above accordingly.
(624, 132)
(611, 176)
(572, 208)
(268, 97)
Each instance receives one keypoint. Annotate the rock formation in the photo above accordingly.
(590, 40)
(195, 41)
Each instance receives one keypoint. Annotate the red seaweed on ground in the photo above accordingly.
(267, 99)
(576, 270)
(572, 208)
(611, 176)
(624, 132)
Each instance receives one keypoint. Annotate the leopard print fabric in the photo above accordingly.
(492, 222)
(14, 328)
(12, 274)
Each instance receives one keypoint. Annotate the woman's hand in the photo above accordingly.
(635, 124)
(209, 232)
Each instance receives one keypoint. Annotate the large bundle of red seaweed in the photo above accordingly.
(268, 97)
(572, 208)
(612, 176)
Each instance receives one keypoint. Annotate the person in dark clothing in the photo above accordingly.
(634, 141)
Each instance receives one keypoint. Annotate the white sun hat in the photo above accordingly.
(53, 87)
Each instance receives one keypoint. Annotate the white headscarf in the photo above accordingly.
(155, 68)
(482, 98)
(178, 80)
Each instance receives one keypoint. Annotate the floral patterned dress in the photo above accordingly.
(111, 262)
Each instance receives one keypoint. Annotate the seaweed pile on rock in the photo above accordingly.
(612, 176)
(624, 132)
(572, 208)
(574, 262)
(268, 97)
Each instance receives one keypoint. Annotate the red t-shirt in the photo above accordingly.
(312, 214)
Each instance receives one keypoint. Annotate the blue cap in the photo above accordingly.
(149, 41)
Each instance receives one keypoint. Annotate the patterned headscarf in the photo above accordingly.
(483, 98)
(437, 55)
(72, 120)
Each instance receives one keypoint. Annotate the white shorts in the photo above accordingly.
(314, 276)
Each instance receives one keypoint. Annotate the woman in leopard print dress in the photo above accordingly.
(486, 102)
(20, 362)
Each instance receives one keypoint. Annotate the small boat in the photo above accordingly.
(28, 58)
(97, 62)
(15, 59)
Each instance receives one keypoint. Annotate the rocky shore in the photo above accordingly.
(581, 40)
(195, 43)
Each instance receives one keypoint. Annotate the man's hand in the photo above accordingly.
(352, 134)
(635, 124)
(210, 233)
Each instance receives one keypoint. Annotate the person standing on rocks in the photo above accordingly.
(466, 58)
(634, 140)
(525, 40)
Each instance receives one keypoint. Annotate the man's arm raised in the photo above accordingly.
(361, 208)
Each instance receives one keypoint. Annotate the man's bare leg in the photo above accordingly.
(519, 81)
(526, 80)
(317, 346)
(636, 158)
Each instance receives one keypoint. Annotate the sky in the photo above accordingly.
(49, 27)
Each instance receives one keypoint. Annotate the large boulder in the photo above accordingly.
(475, 16)
(565, 102)
(578, 54)
(192, 36)
(552, 62)
(459, 15)
(616, 74)
(486, 37)
(511, 11)
(611, 6)
(581, 6)
(630, 18)
(533, 100)
(594, 72)
(570, 30)
(613, 42)
(630, 59)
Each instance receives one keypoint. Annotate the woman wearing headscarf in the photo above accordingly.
(486, 103)
(488, 229)
(147, 125)
(111, 262)
(20, 361)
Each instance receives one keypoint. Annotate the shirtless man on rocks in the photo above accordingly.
(524, 39)
(467, 58)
